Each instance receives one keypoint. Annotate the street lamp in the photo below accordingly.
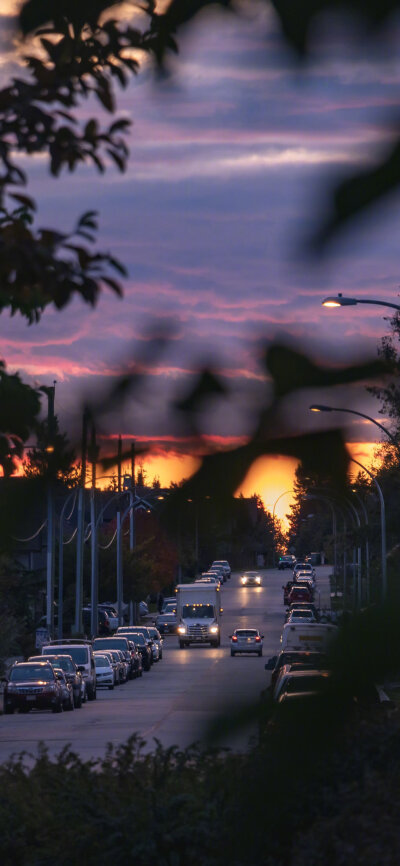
(341, 301)
(383, 526)
(318, 407)
(285, 493)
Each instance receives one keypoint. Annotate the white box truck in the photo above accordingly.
(198, 613)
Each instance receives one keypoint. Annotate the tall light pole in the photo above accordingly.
(285, 493)
(340, 300)
(319, 407)
(383, 527)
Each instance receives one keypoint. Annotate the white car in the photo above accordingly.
(300, 615)
(246, 640)
(104, 671)
(251, 578)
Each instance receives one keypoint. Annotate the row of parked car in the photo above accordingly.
(69, 672)
(301, 669)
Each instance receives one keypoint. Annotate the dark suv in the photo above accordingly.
(32, 685)
(72, 674)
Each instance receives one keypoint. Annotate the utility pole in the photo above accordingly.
(133, 456)
(78, 626)
(50, 394)
(94, 579)
(132, 540)
(119, 463)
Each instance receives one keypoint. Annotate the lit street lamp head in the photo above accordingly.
(317, 407)
(339, 301)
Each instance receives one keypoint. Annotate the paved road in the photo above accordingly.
(180, 696)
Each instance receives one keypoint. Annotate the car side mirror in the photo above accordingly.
(81, 668)
(230, 636)
(271, 663)
(59, 676)
(262, 637)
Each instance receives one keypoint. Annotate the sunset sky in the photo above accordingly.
(231, 161)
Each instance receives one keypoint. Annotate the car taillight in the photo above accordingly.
(234, 637)
(258, 639)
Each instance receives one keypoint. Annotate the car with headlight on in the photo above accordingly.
(167, 622)
(32, 685)
(246, 640)
(287, 561)
(251, 578)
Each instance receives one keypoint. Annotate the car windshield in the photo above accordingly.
(246, 632)
(301, 613)
(62, 662)
(102, 662)
(287, 658)
(110, 643)
(138, 637)
(153, 633)
(79, 654)
(170, 607)
(197, 611)
(305, 684)
(32, 673)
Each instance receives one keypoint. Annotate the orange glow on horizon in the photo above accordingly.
(271, 477)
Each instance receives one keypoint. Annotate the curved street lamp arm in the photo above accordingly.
(379, 303)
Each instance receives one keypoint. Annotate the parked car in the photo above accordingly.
(301, 615)
(32, 685)
(143, 648)
(251, 578)
(66, 688)
(246, 640)
(103, 628)
(275, 663)
(156, 637)
(304, 684)
(125, 665)
(286, 591)
(300, 593)
(116, 642)
(218, 573)
(224, 564)
(104, 671)
(285, 673)
(115, 663)
(144, 630)
(305, 605)
(72, 674)
(81, 652)
(167, 602)
(136, 659)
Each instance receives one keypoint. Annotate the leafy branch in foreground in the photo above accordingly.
(43, 266)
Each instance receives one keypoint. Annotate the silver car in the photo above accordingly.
(246, 640)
